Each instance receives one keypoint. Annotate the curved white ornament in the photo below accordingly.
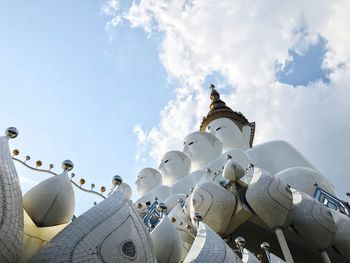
(181, 221)
(167, 242)
(215, 203)
(342, 235)
(270, 198)
(51, 202)
(233, 171)
(313, 221)
(111, 231)
(11, 211)
(209, 247)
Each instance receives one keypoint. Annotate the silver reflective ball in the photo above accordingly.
(240, 242)
(197, 216)
(265, 246)
(162, 207)
(67, 165)
(11, 132)
(117, 180)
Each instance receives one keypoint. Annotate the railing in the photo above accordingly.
(48, 171)
(152, 218)
(331, 201)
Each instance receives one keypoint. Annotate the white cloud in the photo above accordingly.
(244, 41)
(111, 7)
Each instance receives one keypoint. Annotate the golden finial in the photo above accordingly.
(38, 163)
(188, 227)
(82, 181)
(103, 189)
(139, 205)
(15, 152)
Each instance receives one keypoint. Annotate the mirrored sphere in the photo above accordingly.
(67, 165)
(117, 180)
(240, 241)
(11, 132)
(197, 216)
(162, 207)
(265, 245)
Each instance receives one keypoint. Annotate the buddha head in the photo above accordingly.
(230, 134)
(230, 127)
(173, 166)
(147, 180)
(201, 148)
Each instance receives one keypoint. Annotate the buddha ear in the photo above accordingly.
(187, 162)
(218, 147)
(246, 130)
(158, 178)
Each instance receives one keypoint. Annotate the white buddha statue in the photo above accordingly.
(209, 198)
(235, 132)
(205, 152)
(175, 167)
(149, 186)
(202, 148)
(230, 135)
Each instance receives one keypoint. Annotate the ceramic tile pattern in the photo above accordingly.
(11, 213)
(98, 235)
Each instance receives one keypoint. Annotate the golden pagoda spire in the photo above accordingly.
(218, 109)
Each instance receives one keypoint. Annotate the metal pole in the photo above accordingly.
(325, 257)
(284, 246)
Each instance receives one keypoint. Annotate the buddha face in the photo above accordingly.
(147, 180)
(174, 165)
(229, 134)
(201, 148)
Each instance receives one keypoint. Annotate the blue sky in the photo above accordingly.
(72, 92)
(76, 86)
(305, 67)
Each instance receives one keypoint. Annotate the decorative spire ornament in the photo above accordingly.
(218, 109)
